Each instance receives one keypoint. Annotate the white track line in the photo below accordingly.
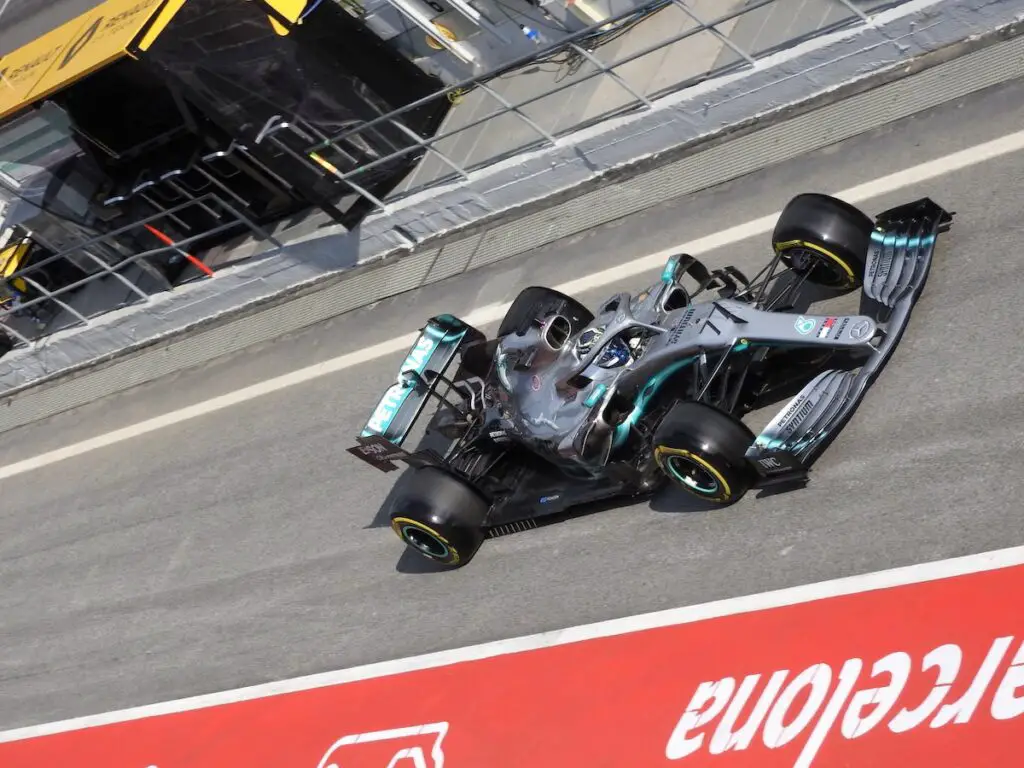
(851, 585)
(917, 174)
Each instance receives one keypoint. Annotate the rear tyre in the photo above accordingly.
(703, 451)
(440, 517)
(534, 303)
(824, 239)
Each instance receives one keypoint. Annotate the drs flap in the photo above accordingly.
(402, 403)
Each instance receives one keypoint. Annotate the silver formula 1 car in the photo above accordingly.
(565, 407)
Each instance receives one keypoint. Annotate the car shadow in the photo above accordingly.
(413, 564)
(382, 518)
(668, 500)
(780, 490)
(675, 501)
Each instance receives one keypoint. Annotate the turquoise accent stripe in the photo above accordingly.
(901, 241)
(670, 267)
(644, 398)
(595, 397)
(436, 333)
(916, 241)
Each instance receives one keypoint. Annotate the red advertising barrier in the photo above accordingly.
(928, 674)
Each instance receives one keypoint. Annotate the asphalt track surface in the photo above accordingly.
(246, 546)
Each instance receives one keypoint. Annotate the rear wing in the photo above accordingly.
(424, 367)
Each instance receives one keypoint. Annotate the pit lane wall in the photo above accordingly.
(841, 674)
(808, 96)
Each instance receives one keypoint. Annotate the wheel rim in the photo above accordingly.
(425, 542)
(693, 475)
(806, 261)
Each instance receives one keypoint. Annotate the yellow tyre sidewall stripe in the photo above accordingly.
(851, 278)
(660, 452)
(398, 523)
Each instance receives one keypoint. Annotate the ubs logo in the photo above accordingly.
(677, 329)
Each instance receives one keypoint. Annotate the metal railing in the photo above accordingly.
(535, 114)
(582, 49)
(31, 308)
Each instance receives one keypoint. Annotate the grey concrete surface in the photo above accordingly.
(246, 546)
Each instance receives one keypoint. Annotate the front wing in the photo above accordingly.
(899, 260)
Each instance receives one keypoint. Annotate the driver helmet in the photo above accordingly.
(587, 340)
(615, 353)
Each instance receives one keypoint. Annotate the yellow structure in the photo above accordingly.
(12, 258)
(70, 52)
(95, 40)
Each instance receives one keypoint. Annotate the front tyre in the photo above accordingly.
(703, 451)
(440, 517)
(825, 240)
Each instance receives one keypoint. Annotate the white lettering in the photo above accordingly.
(725, 737)
(418, 356)
(718, 693)
(409, 753)
(386, 409)
(962, 710)
(947, 658)
(848, 676)
(1006, 703)
(727, 716)
(388, 406)
(897, 666)
(818, 678)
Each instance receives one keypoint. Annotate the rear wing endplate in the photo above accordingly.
(440, 340)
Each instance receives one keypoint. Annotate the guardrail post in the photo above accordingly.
(613, 75)
(444, 158)
(711, 28)
(549, 138)
(850, 6)
(10, 331)
(52, 297)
